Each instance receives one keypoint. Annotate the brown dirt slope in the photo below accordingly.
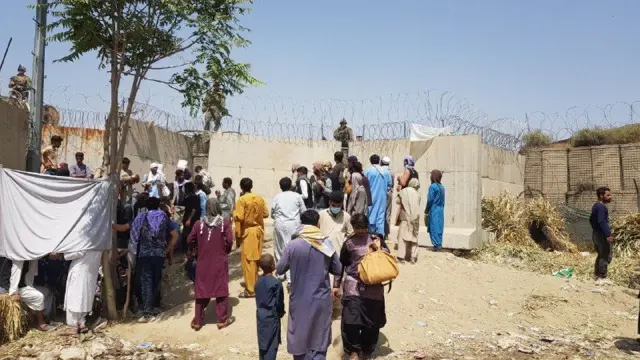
(442, 307)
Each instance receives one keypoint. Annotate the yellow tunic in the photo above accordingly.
(249, 215)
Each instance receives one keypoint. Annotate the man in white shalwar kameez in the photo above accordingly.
(286, 208)
(21, 287)
(81, 287)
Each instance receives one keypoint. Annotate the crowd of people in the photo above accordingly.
(325, 221)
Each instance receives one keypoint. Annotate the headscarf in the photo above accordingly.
(408, 162)
(357, 180)
(318, 168)
(316, 238)
(414, 183)
(213, 218)
(153, 165)
(436, 176)
(322, 168)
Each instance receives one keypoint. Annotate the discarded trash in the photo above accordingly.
(590, 353)
(420, 323)
(566, 273)
(525, 351)
(145, 345)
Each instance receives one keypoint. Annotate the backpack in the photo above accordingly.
(378, 268)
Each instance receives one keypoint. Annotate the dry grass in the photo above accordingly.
(504, 216)
(535, 139)
(509, 218)
(541, 211)
(594, 137)
(622, 271)
(13, 319)
(627, 235)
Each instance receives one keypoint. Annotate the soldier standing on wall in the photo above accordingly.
(214, 108)
(344, 134)
(20, 85)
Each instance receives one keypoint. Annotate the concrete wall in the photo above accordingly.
(570, 176)
(264, 161)
(14, 124)
(146, 143)
(470, 168)
(501, 170)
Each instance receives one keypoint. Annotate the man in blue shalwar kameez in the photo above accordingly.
(435, 209)
(380, 182)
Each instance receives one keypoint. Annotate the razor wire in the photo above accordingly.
(281, 119)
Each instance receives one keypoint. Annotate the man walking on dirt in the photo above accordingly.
(602, 237)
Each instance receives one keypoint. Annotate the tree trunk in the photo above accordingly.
(109, 159)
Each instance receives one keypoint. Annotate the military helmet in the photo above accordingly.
(22, 68)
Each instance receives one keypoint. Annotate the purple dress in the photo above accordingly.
(310, 300)
(212, 266)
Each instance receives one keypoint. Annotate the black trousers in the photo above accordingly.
(359, 339)
(269, 354)
(150, 277)
(603, 248)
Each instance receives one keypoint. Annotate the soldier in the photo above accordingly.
(344, 134)
(20, 85)
(214, 108)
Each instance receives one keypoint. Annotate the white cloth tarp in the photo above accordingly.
(424, 133)
(42, 214)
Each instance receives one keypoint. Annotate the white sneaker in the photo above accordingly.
(602, 281)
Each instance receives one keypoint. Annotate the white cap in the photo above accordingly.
(386, 160)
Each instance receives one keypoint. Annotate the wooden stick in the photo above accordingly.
(125, 310)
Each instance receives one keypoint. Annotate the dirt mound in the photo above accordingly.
(442, 307)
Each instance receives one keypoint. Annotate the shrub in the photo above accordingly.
(627, 134)
(535, 139)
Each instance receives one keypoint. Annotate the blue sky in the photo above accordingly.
(507, 57)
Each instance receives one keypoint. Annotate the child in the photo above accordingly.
(269, 309)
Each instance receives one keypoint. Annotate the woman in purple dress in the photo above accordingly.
(363, 307)
(212, 238)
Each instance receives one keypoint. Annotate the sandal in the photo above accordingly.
(246, 295)
(228, 322)
(45, 328)
(195, 326)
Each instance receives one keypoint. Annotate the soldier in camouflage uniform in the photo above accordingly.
(20, 85)
(344, 134)
(214, 108)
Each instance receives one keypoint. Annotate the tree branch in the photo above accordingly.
(171, 66)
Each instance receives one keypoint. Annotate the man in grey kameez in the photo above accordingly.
(286, 209)
(310, 257)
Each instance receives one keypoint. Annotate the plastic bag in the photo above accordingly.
(566, 273)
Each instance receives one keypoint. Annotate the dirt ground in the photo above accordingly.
(443, 307)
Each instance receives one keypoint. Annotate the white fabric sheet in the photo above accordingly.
(42, 214)
(424, 133)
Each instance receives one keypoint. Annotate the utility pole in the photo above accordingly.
(37, 99)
